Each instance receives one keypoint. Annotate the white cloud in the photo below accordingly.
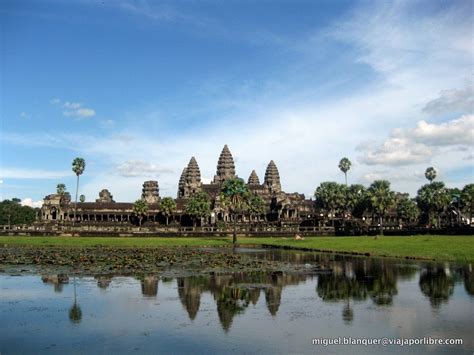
(19, 173)
(403, 42)
(460, 101)
(455, 132)
(74, 109)
(417, 145)
(81, 112)
(25, 115)
(395, 152)
(139, 168)
(72, 105)
(30, 203)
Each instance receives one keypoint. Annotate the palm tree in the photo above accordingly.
(235, 194)
(167, 206)
(78, 166)
(407, 210)
(140, 208)
(75, 312)
(198, 206)
(430, 174)
(60, 189)
(331, 197)
(433, 197)
(345, 166)
(356, 200)
(256, 206)
(467, 199)
(82, 198)
(380, 198)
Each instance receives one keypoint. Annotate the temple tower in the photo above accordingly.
(225, 166)
(192, 178)
(253, 179)
(181, 184)
(151, 192)
(272, 178)
(105, 197)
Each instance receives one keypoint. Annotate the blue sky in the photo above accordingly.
(138, 87)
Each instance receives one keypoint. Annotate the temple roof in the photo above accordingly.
(193, 174)
(272, 177)
(253, 178)
(225, 165)
(182, 178)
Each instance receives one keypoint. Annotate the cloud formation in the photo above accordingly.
(74, 109)
(461, 101)
(139, 168)
(30, 203)
(18, 173)
(417, 145)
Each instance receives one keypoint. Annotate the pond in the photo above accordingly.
(257, 312)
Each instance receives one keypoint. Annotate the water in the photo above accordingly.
(242, 312)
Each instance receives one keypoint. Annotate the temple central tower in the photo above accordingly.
(225, 166)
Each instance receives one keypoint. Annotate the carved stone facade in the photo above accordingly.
(225, 166)
(105, 197)
(280, 207)
(151, 192)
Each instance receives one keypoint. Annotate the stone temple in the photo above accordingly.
(281, 208)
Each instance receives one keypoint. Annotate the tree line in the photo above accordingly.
(12, 212)
(431, 203)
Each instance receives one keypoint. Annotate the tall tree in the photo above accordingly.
(140, 209)
(12, 212)
(467, 200)
(198, 206)
(75, 312)
(345, 165)
(356, 200)
(433, 198)
(167, 206)
(430, 174)
(60, 189)
(236, 196)
(331, 197)
(78, 166)
(82, 198)
(256, 206)
(380, 199)
(407, 210)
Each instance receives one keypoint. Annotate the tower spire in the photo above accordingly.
(253, 179)
(225, 166)
(272, 177)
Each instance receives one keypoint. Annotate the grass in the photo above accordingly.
(441, 248)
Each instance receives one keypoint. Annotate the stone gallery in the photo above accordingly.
(281, 208)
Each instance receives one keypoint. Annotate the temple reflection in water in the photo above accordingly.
(343, 282)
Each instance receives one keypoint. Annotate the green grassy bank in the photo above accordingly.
(448, 248)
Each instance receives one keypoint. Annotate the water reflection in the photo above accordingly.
(333, 295)
(469, 279)
(233, 293)
(345, 281)
(339, 280)
(149, 285)
(56, 280)
(437, 284)
(103, 281)
(75, 312)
